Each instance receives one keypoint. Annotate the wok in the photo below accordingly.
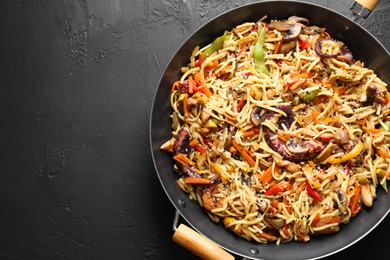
(364, 47)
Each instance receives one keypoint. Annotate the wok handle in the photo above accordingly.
(369, 4)
(198, 244)
(363, 8)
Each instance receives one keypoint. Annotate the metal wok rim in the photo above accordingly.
(184, 206)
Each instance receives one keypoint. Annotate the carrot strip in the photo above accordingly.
(194, 143)
(175, 85)
(372, 130)
(268, 237)
(354, 205)
(267, 175)
(185, 107)
(181, 158)
(207, 91)
(195, 180)
(198, 79)
(382, 153)
(315, 117)
(277, 47)
(315, 219)
(248, 134)
(244, 153)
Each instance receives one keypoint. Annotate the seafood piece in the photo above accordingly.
(211, 198)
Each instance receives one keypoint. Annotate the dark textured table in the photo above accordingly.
(77, 83)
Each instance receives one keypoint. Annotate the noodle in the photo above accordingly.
(276, 135)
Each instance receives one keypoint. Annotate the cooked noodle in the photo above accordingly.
(282, 147)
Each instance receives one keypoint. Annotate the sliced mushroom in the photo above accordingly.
(298, 19)
(342, 200)
(287, 47)
(342, 136)
(292, 29)
(276, 223)
(296, 146)
(310, 30)
(256, 117)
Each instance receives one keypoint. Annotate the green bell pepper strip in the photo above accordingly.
(258, 52)
(216, 44)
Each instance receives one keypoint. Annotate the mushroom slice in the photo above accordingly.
(342, 200)
(256, 116)
(287, 47)
(296, 146)
(293, 29)
(297, 19)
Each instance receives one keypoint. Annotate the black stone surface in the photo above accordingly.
(77, 79)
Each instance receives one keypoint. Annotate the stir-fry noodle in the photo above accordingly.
(278, 132)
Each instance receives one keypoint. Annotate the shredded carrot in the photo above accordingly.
(301, 188)
(339, 91)
(315, 219)
(296, 85)
(285, 229)
(287, 205)
(198, 79)
(244, 153)
(382, 153)
(194, 143)
(185, 107)
(206, 90)
(181, 158)
(248, 133)
(195, 180)
(175, 85)
(268, 237)
(372, 130)
(334, 120)
(283, 137)
(315, 117)
(354, 204)
(301, 236)
(275, 203)
(277, 47)
(267, 175)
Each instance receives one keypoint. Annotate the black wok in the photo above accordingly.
(362, 44)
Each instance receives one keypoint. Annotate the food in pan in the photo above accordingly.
(278, 132)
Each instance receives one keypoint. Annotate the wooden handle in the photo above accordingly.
(198, 244)
(369, 4)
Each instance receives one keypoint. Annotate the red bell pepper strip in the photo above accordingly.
(303, 44)
(276, 189)
(241, 104)
(200, 149)
(314, 194)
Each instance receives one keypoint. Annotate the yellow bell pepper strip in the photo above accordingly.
(216, 44)
(356, 150)
(258, 52)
